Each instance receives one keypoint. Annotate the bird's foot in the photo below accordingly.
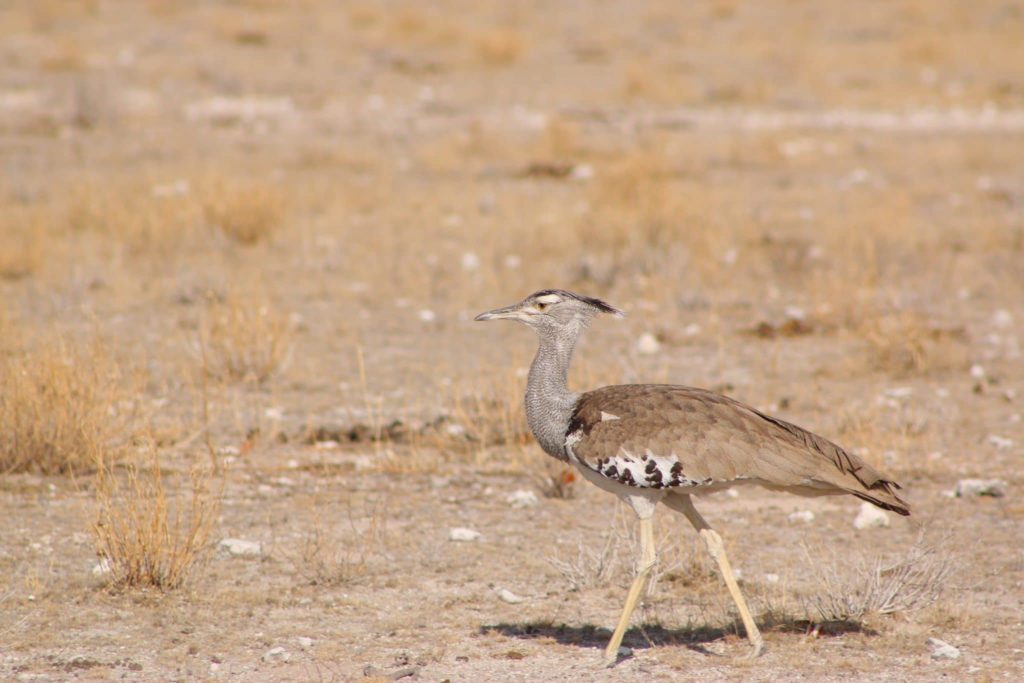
(612, 657)
(757, 648)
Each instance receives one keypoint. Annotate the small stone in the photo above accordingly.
(427, 316)
(1000, 442)
(968, 488)
(102, 567)
(943, 650)
(1002, 318)
(582, 172)
(463, 534)
(771, 578)
(505, 595)
(977, 372)
(238, 547)
(277, 654)
(624, 652)
(870, 517)
(804, 516)
(470, 261)
(647, 344)
(304, 642)
(522, 498)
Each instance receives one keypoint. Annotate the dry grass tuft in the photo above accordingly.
(499, 46)
(488, 414)
(248, 213)
(327, 560)
(62, 409)
(21, 244)
(906, 343)
(243, 340)
(146, 535)
(850, 592)
(133, 214)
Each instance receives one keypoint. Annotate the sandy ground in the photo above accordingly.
(814, 209)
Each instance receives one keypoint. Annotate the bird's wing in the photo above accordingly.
(660, 436)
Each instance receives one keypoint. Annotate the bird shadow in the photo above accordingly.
(655, 635)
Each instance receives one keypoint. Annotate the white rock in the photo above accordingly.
(771, 578)
(691, 330)
(582, 172)
(513, 261)
(463, 534)
(1002, 318)
(647, 344)
(241, 548)
(470, 261)
(967, 488)
(522, 498)
(102, 567)
(304, 642)
(1000, 442)
(870, 517)
(505, 595)
(804, 516)
(943, 650)
(277, 654)
(427, 315)
(977, 371)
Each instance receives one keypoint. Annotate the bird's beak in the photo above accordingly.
(512, 312)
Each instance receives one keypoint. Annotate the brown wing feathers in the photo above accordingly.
(665, 436)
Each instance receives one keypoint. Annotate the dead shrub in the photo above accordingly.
(62, 409)
(851, 591)
(243, 340)
(151, 528)
(247, 212)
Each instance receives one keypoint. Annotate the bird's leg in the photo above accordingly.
(647, 558)
(717, 551)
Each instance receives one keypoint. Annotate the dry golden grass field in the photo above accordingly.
(241, 246)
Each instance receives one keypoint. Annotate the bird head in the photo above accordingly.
(552, 309)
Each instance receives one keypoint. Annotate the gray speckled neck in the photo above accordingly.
(549, 403)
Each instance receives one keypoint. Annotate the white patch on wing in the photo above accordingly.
(608, 416)
(647, 471)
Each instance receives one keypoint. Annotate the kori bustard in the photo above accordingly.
(659, 443)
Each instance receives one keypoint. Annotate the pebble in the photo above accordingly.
(647, 344)
(505, 595)
(277, 654)
(522, 498)
(241, 548)
(966, 488)
(870, 517)
(943, 650)
(1000, 442)
(463, 534)
(102, 567)
(805, 516)
(305, 642)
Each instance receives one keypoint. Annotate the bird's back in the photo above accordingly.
(666, 436)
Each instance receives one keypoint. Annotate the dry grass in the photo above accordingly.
(146, 534)
(243, 340)
(905, 343)
(850, 592)
(129, 212)
(62, 409)
(487, 414)
(247, 212)
(332, 559)
(499, 46)
(22, 243)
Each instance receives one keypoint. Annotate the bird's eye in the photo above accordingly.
(541, 305)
